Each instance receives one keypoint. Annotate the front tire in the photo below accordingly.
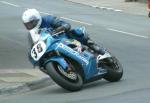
(53, 70)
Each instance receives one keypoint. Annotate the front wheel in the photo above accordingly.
(114, 69)
(71, 81)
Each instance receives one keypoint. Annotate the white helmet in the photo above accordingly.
(31, 19)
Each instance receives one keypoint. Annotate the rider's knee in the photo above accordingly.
(79, 34)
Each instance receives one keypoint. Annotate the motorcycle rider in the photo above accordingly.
(33, 22)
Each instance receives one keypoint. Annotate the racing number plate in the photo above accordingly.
(38, 50)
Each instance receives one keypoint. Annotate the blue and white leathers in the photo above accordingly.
(49, 43)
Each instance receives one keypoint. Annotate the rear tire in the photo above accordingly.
(60, 79)
(114, 70)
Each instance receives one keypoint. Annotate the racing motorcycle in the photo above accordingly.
(71, 64)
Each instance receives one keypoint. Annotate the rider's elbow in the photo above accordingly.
(67, 27)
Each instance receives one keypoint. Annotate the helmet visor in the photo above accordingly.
(30, 25)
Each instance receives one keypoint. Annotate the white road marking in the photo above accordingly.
(76, 21)
(118, 10)
(11, 4)
(102, 7)
(110, 9)
(107, 8)
(41, 12)
(127, 33)
(45, 13)
(68, 19)
(94, 6)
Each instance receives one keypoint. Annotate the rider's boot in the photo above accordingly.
(96, 48)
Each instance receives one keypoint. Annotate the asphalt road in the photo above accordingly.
(126, 35)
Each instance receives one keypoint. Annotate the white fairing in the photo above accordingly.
(34, 35)
(101, 57)
(38, 50)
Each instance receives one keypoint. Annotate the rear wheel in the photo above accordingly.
(70, 80)
(114, 69)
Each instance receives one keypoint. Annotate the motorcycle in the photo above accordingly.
(71, 64)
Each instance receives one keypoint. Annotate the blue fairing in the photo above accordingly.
(86, 60)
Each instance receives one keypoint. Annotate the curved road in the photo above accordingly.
(126, 35)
